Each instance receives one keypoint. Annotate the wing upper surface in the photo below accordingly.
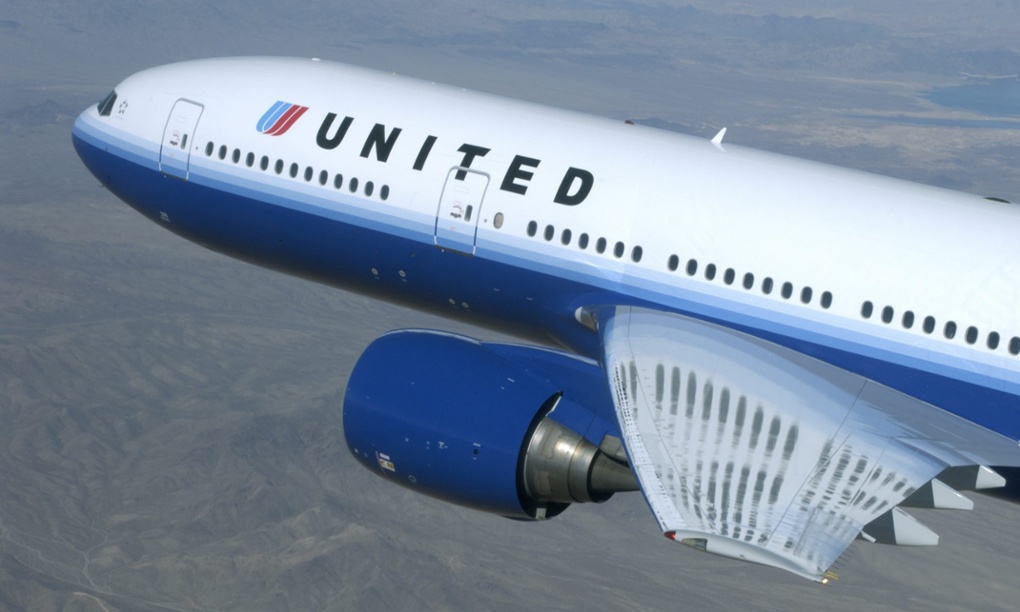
(750, 450)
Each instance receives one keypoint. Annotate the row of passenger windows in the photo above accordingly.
(949, 330)
(583, 241)
(747, 281)
(309, 174)
(636, 253)
(768, 285)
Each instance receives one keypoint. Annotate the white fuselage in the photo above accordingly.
(613, 211)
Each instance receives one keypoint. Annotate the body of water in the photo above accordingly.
(999, 98)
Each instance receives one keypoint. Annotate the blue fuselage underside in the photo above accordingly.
(528, 303)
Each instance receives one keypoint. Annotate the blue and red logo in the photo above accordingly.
(279, 118)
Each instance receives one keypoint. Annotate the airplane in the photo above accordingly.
(780, 355)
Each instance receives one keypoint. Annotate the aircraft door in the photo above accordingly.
(460, 208)
(178, 138)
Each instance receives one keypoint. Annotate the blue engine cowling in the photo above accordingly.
(506, 429)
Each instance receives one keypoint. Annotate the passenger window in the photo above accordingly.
(826, 299)
(249, 159)
(264, 163)
(748, 280)
(866, 309)
(550, 231)
(353, 185)
(618, 250)
(908, 319)
(1014, 346)
(384, 193)
(636, 254)
(673, 263)
(805, 295)
(293, 170)
(692, 267)
(887, 314)
(236, 156)
(370, 189)
(309, 173)
(532, 229)
(600, 246)
(766, 285)
(565, 237)
(209, 146)
(787, 290)
(223, 152)
(728, 276)
(950, 330)
(323, 177)
(582, 241)
(338, 181)
(929, 324)
(279, 166)
(993, 340)
(710, 271)
(972, 335)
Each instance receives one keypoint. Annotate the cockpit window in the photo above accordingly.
(107, 104)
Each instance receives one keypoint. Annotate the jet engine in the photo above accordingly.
(518, 431)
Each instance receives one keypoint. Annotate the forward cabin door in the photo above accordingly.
(460, 208)
(179, 139)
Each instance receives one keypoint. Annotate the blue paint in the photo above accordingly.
(271, 116)
(449, 417)
(586, 405)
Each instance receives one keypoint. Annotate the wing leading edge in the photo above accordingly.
(749, 450)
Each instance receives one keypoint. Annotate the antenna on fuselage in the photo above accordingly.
(717, 139)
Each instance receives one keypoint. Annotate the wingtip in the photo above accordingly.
(744, 551)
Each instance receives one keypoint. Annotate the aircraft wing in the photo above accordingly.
(750, 450)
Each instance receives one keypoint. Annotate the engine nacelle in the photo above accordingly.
(475, 424)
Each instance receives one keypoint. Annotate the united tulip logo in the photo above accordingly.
(280, 116)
